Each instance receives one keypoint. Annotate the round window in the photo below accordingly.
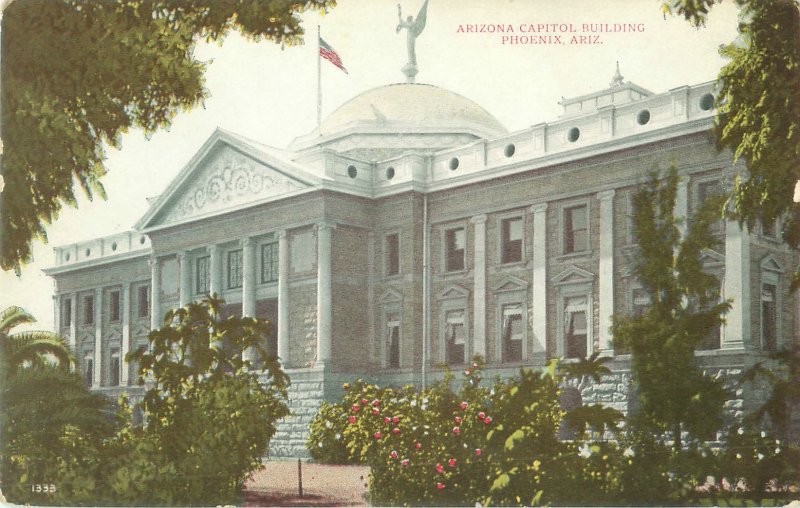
(573, 134)
(67, 256)
(707, 102)
(141, 240)
(643, 117)
(88, 252)
(352, 172)
(454, 164)
(510, 150)
(389, 173)
(114, 246)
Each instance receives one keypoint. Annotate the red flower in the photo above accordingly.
(487, 420)
(351, 419)
(395, 419)
(395, 431)
(417, 445)
(377, 435)
(393, 454)
(440, 485)
(404, 462)
(346, 386)
(375, 403)
(457, 419)
(439, 468)
(355, 408)
(481, 415)
(451, 462)
(375, 411)
(463, 406)
(386, 419)
(456, 431)
(364, 402)
(477, 451)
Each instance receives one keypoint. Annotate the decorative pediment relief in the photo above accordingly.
(224, 179)
(391, 296)
(454, 291)
(770, 264)
(574, 275)
(511, 283)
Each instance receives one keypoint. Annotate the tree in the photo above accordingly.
(76, 75)
(758, 116)
(27, 348)
(209, 413)
(674, 394)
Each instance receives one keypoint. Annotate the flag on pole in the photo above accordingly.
(329, 54)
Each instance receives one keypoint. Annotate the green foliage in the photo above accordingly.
(782, 375)
(120, 64)
(674, 394)
(325, 438)
(32, 348)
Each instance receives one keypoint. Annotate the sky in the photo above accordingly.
(267, 93)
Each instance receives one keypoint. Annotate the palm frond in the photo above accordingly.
(29, 345)
(14, 316)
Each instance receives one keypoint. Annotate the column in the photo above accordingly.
(249, 287)
(215, 271)
(606, 270)
(736, 285)
(185, 288)
(324, 294)
(98, 338)
(283, 297)
(682, 206)
(539, 286)
(57, 314)
(479, 297)
(155, 294)
(125, 317)
(73, 323)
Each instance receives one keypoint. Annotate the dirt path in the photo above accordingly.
(323, 485)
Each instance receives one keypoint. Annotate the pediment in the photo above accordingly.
(391, 296)
(770, 264)
(511, 283)
(226, 173)
(574, 275)
(114, 334)
(454, 291)
(709, 257)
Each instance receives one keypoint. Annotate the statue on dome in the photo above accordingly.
(414, 28)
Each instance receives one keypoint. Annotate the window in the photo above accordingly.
(88, 309)
(393, 340)
(713, 339)
(113, 306)
(88, 370)
(511, 240)
(769, 317)
(513, 332)
(640, 301)
(705, 191)
(455, 337)
(66, 312)
(270, 265)
(114, 368)
(235, 265)
(455, 249)
(202, 276)
(392, 254)
(769, 229)
(576, 330)
(143, 300)
(576, 229)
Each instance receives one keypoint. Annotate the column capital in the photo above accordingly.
(324, 224)
(212, 249)
(280, 234)
(606, 195)
(479, 219)
(152, 261)
(246, 242)
(539, 208)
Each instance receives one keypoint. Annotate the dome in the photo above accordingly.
(406, 108)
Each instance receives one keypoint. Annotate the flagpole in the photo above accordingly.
(319, 82)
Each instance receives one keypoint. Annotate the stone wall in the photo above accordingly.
(306, 393)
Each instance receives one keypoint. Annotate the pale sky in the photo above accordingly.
(268, 94)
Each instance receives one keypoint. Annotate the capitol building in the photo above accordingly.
(411, 231)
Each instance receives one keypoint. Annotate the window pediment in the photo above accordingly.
(770, 264)
(511, 284)
(391, 296)
(574, 275)
(711, 257)
(454, 291)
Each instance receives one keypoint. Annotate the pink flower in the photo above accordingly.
(393, 454)
(451, 462)
(375, 411)
(487, 420)
(417, 445)
(377, 435)
(456, 431)
(467, 372)
(364, 402)
(355, 408)
(440, 485)
(404, 462)
(351, 419)
(395, 419)
(481, 415)
(463, 406)
(386, 419)
(474, 365)
(457, 419)
(375, 403)
(477, 451)
(439, 468)
(395, 431)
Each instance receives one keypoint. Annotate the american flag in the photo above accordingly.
(329, 54)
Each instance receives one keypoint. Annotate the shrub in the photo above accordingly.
(325, 439)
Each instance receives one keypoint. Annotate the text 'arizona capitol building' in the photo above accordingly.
(412, 231)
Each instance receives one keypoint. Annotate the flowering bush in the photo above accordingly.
(325, 441)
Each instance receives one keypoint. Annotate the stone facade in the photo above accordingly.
(385, 250)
